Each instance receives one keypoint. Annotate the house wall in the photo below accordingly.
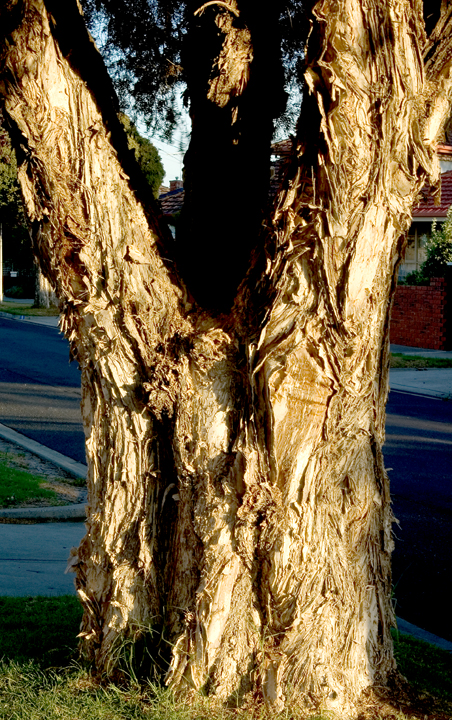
(419, 315)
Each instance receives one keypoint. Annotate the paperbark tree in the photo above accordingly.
(238, 502)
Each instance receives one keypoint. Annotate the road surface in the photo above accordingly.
(418, 448)
(39, 389)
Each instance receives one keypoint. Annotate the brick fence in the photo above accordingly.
(420, 315)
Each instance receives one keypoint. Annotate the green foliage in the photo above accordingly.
(16, 240)
(439, 252)
(439, 249)
(415, 278)
(148, 48)
(145, 153)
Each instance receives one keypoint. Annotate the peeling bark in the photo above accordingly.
(238, 504)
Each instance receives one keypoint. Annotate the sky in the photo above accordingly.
(171, 158)
(171, 153)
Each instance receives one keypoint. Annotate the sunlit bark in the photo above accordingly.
(238, 502)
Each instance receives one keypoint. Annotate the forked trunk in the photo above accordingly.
(238, 504)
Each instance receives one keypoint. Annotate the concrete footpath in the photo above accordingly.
(48, 321)
(431, 382)
(33, 556)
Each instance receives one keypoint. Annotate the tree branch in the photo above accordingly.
(438, 74)
(77, 174)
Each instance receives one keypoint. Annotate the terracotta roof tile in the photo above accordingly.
(427, 208)
(283, 147)
(444, 149)
(172, 201)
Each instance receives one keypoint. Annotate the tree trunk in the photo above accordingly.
(235, 86)
(239, 515)
(44, 293)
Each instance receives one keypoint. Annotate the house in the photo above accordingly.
(426, 212)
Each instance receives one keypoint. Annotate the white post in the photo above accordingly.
(416, 249)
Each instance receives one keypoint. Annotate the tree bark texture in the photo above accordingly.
(44, 293)
(238, 504)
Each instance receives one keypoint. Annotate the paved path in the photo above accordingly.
(432, 382)
(33, 558)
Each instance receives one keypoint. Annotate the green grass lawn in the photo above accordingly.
(414, 361)
(18, 486)
(427, 667)
(40, 678)
(42, 629)
(24, 309)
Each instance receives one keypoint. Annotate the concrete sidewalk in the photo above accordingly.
(33, 558)
(420, 352)
(48, 321)
(432, 382)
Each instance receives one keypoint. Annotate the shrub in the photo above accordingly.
(439, 250)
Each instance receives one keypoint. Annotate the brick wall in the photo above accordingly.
(419, 316)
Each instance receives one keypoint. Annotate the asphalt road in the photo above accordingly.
(418, 450)
(39, 389)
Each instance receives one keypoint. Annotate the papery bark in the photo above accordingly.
(238, 504)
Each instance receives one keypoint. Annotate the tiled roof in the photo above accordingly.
(283, 147)
(444, 149)
(427, 208)
(172, 201)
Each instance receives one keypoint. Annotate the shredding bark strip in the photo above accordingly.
(239, 509)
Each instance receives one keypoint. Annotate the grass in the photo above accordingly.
(427, 667)
(41, 680)
(25, 309)
(42, 629)
(19, 486)
(414, 361)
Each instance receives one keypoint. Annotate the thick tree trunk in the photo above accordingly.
(239, 512)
